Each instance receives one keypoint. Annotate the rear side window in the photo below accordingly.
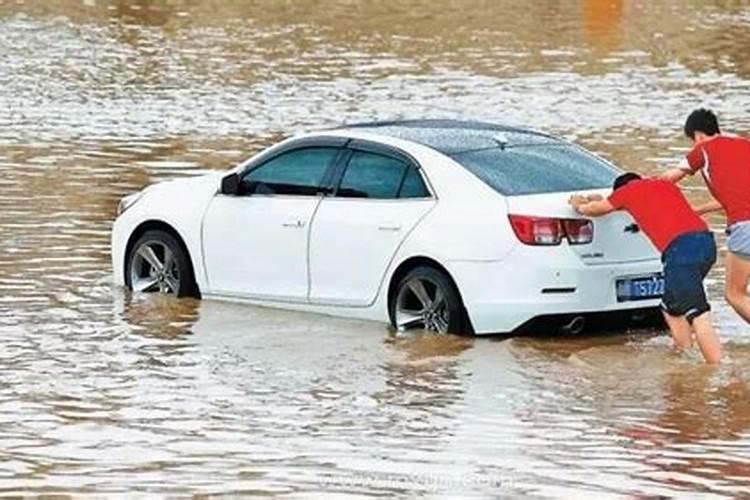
(413, 186)
(538, 169)
(375, 176)
(298, 172)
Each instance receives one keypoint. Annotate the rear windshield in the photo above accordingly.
(537, 169)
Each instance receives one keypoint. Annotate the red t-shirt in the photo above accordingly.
(659, 208)
(725, 164)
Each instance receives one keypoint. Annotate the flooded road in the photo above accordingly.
(111, 394)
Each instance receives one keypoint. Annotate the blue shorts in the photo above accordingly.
(687, 261)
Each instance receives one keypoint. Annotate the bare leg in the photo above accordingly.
(738, 275)
(707, 338)
(681, 332)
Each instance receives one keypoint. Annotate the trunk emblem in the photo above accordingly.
(595, 255)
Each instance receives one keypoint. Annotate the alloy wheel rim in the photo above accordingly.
(154, 269)
(422, 303)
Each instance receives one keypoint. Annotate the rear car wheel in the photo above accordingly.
(427, 299)
(158, 263)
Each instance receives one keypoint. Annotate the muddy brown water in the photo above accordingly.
(104, 393)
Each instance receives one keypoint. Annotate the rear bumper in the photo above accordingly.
(599, 322)
(502, 296)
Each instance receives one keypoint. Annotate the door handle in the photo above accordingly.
(294, 223)
(389, 227)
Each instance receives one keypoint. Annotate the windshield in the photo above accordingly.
(538, 169)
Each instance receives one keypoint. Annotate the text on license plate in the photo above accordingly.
(650, 287)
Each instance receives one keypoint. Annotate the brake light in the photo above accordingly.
(537, 230)
(549, 231)
(578, 231)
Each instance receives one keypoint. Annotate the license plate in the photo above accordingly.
(650, 287)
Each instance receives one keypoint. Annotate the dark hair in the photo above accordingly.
(625, 179)
(701, 120)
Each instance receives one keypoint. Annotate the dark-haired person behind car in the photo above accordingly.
(724, 161)
(688, 252)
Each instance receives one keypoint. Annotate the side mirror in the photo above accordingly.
(230, 184)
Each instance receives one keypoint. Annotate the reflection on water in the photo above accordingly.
(104, 392)
(602, 23)
(678, 426)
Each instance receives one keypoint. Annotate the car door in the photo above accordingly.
(380, 196)
(256, 242)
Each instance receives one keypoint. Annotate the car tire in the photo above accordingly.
(426, 298)
(158, 263)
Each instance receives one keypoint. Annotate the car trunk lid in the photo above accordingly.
(617, 239)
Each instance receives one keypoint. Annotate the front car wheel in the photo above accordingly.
(158, 264)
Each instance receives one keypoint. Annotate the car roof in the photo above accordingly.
(454, 136)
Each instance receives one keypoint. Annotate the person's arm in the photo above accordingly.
(584, 198)
(707, 208)
(674, 175)
(689, 165)
(591, 208)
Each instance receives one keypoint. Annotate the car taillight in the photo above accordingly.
(578, 231)
(537, 230)
(549, 231)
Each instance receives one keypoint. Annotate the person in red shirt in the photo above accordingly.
(724, 162)
(688, 252)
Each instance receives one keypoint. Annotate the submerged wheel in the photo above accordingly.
(159, 264)
(426, 298)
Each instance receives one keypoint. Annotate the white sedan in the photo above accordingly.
(441, 225)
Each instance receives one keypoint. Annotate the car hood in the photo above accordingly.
(174, 199)
(207, 184)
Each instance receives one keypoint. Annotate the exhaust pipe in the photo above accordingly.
(575, 326)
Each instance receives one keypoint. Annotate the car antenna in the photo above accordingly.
(501, 139)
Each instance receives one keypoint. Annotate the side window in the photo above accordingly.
(413, 186)
(375, 176)
(298, 172)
